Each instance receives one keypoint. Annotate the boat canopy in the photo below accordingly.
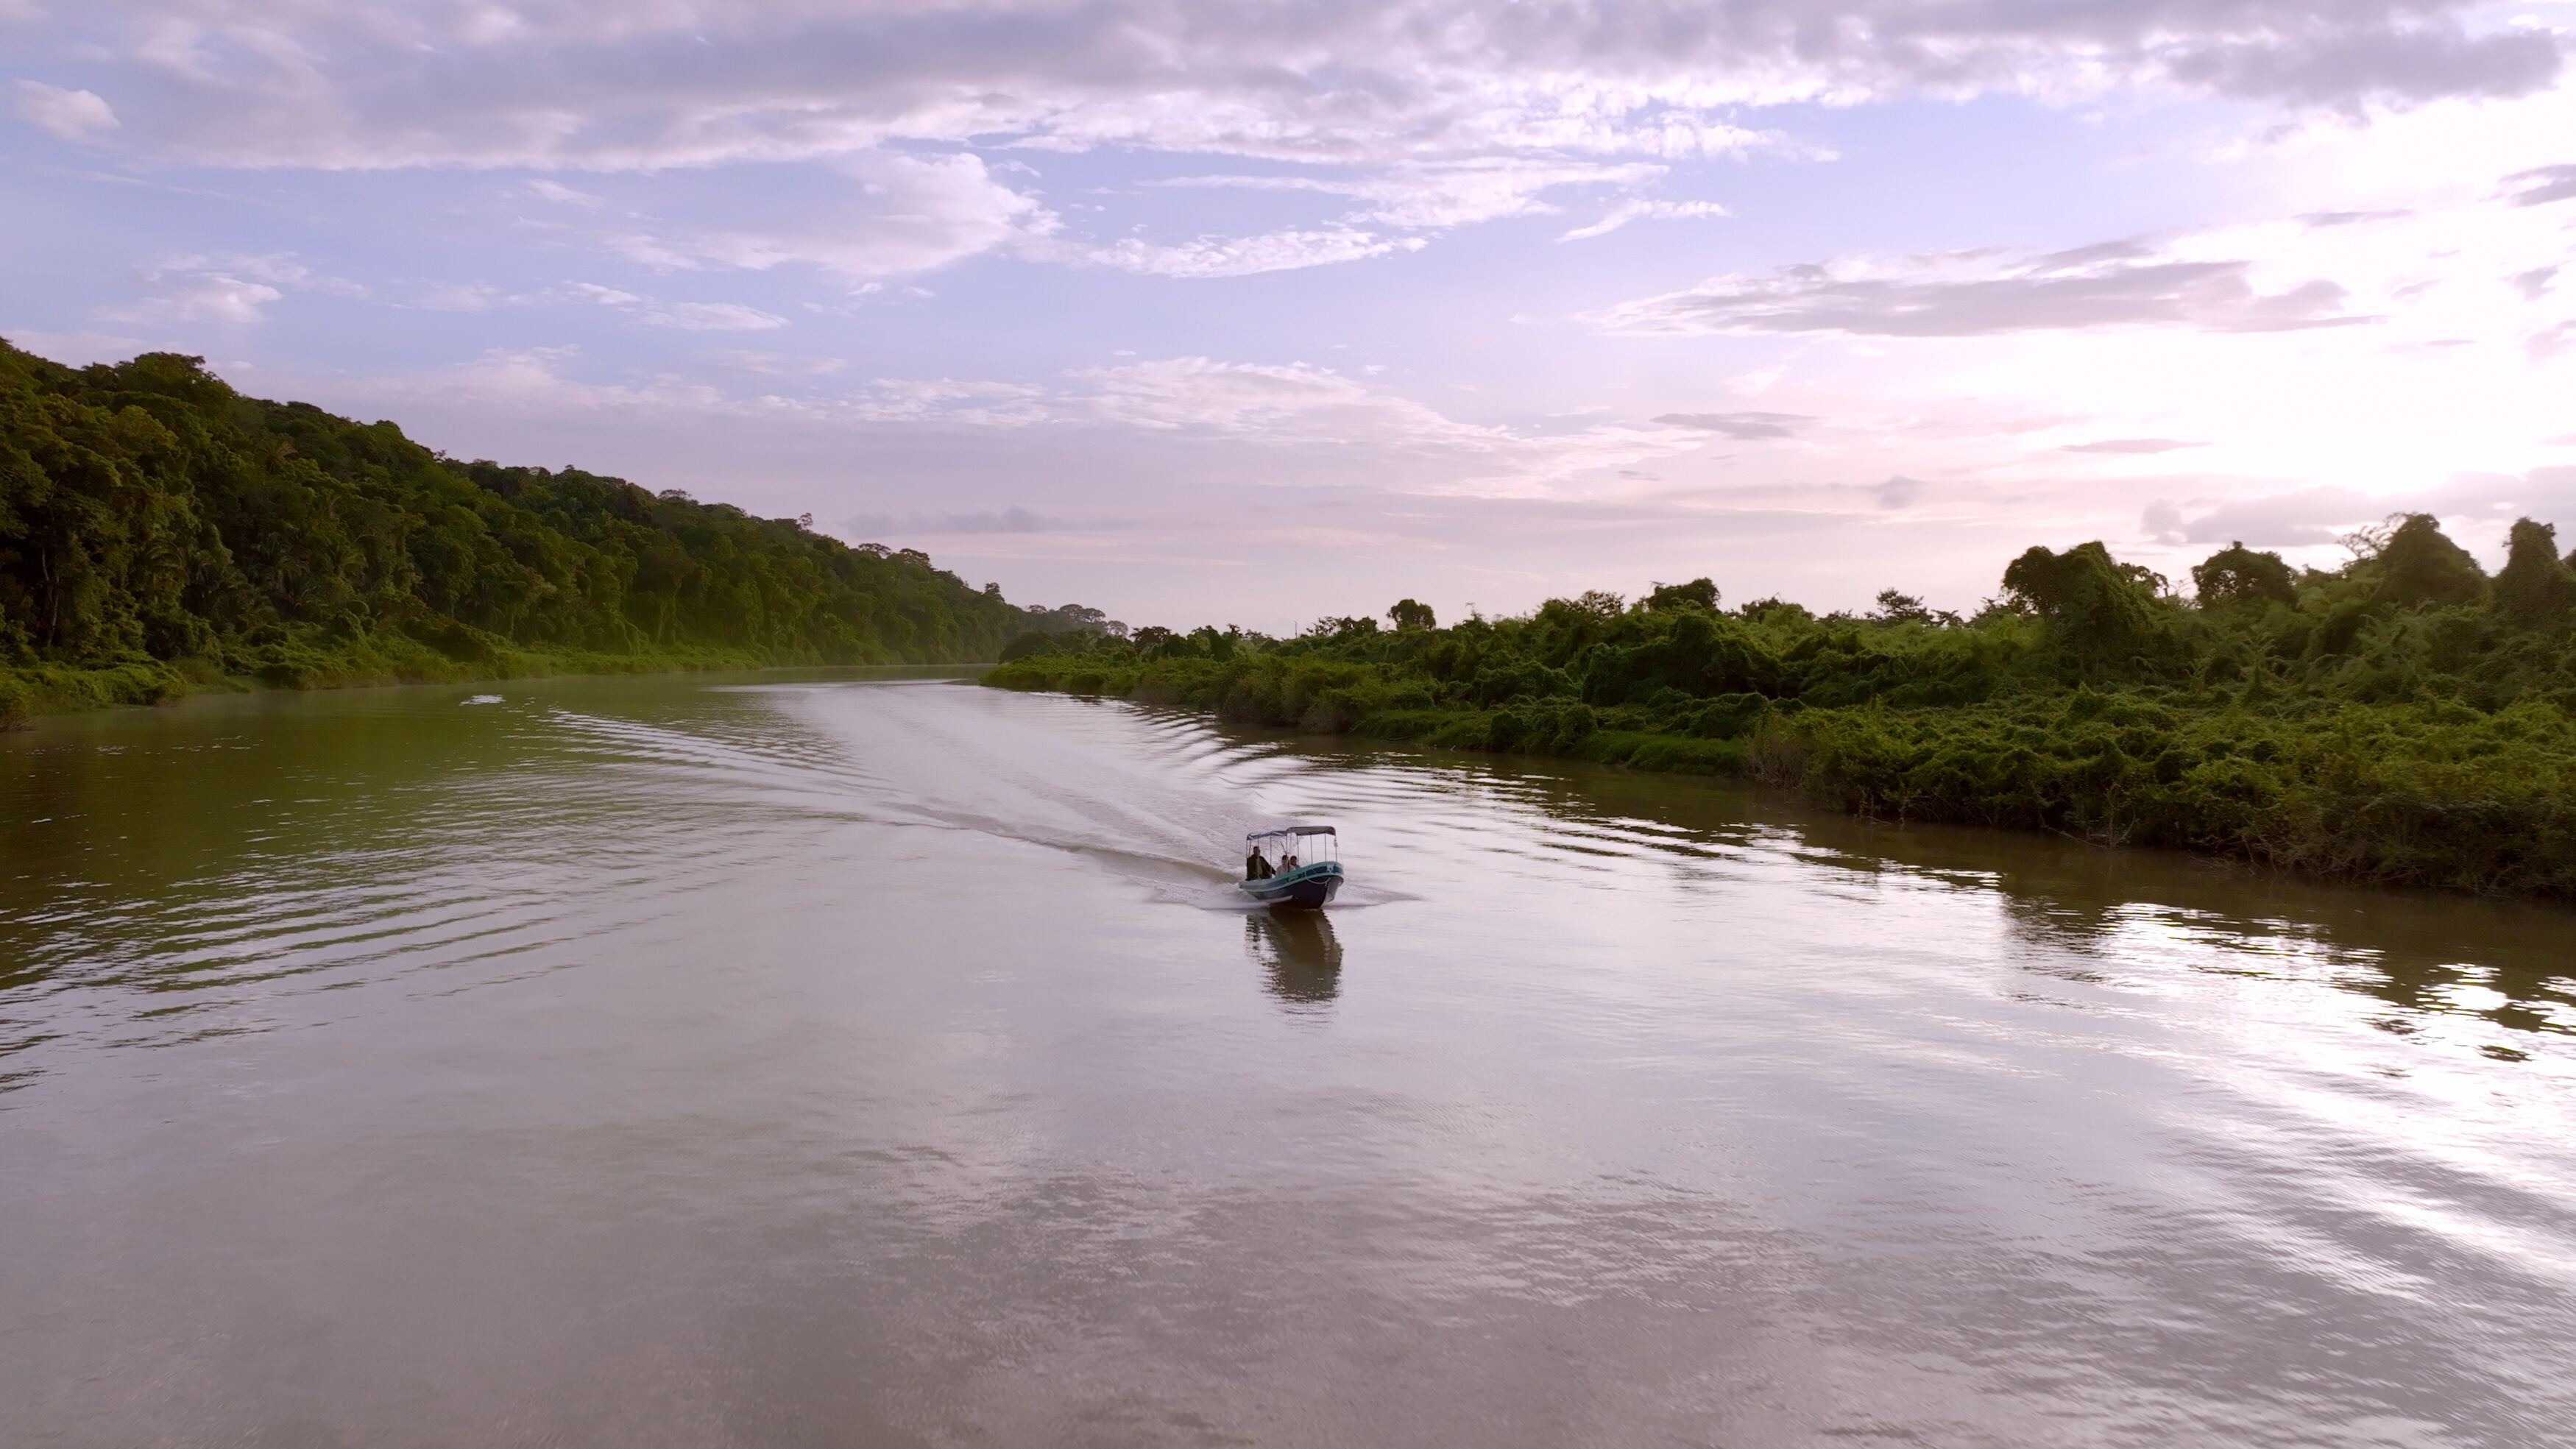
(1304, 844)
(1278, 830)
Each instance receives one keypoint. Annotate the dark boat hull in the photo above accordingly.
(1306, 888)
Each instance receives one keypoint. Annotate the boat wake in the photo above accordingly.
(1048, 772)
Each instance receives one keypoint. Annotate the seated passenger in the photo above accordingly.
(1289, 864)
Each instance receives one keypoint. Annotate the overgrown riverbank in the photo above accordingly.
(2404, 720)
(161, 534)
(55, 689)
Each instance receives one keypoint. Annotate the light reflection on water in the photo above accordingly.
(655, 1063)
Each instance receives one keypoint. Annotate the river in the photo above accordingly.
(886, 1062)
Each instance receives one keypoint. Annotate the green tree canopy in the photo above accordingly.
(1699, 593)
(2535, 588)
(2237, 575)
(149, 513)
(2419, 564)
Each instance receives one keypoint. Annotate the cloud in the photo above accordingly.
(2281, 520)
(79, 349)
(1299, 407)
(234, 289)
(686, 316)
(915, 525)
(1277, 251)
(1404, 197)
(879, 216)
(2324, 219)
(68, 114)
(2392, 64)
(2544, 184)
(551, 83)
(1255, 423)
(1900, 491)
(2533, 284)
(201, 298)
(2131, 446)
(556, 191)
(2113, 284)
(777, 364)
(2549, 341)
(951, 402)
(1628, 211)
(713, 317)
(2306, 517)
(457, 297)
(1745, 427)
(1430, 196)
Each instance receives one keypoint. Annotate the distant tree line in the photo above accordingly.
(2402, 718)
(159, 529)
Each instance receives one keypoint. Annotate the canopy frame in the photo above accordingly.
(1276, 832)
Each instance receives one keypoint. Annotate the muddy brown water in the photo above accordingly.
(886, 1062)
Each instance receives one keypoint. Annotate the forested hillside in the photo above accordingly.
(2404, 718)
(160, 531)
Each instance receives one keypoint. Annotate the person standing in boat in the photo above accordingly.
(1255, 867)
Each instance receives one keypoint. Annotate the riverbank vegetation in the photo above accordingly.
(2403, 719)
(161, 533)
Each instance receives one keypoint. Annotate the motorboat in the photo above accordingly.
(1303, 861)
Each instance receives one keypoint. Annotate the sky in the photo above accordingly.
(1257, 312)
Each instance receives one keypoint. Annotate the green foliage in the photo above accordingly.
(2237, 575)
(1699, 593)
(2425, 793)
(154, 520)
(2535, 589)
(2420, 565)
(2104, 617)
(1412, 614)
(1895, 607)
(2395, 721)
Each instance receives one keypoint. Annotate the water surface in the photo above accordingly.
(657, 1062)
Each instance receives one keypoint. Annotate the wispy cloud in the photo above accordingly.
(1744, 427)
(2115, 284)
(457, 297)
(713, 317)
(874, 216)
(1244, 256)
(687, 316)
(556, 191)
(2131, 446)
(1437, 195)
(777, 364)
(234, 289)
(2542, 185)
(2306, 517)
(1409, 80)
(69, 114)
(1628, 211)
(2282, 520)
(930, 525)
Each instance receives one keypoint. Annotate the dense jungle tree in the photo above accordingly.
(155, 522)
(2400, 719)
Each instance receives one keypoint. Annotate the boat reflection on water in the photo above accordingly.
(1299, 952)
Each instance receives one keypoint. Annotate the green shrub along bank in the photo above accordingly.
(2405, 719)
(160, 533)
